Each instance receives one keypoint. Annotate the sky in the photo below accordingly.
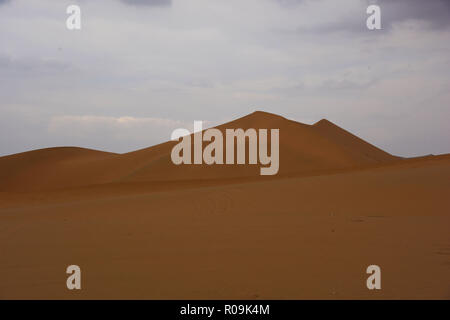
(138, 69)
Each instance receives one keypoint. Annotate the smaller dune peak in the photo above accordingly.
(264, 115)
(324, 122)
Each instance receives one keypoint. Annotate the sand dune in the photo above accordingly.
(303, 149)
(141, 227)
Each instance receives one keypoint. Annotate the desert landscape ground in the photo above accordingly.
(142, 228)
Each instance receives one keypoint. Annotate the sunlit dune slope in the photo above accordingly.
(304, 149)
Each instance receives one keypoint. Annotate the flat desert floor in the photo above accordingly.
(293, 238)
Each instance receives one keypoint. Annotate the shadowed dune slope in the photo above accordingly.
(49, 168)
(304, 149)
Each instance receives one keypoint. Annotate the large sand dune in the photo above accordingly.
(141, 227)
(304, 149)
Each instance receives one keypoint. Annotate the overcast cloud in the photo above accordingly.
(138, 69)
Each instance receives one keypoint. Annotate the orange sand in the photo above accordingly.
(141, 227)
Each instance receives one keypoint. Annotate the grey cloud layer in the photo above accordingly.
(157, 3)
(436, 12)
(131, 75)
(131, 2)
